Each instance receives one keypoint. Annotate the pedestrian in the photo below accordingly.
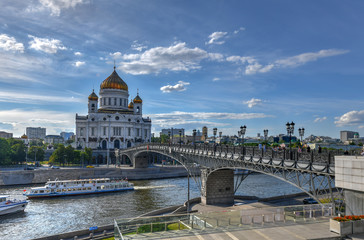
(308, 148)
(319, 149)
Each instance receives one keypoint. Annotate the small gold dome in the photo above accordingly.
(137, 99)
(93, 96)
(114, 82)
(24, 136)
(131, 105)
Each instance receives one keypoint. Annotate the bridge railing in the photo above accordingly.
(225, 151)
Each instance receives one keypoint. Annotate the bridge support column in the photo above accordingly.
(217, 187)
(141, 161)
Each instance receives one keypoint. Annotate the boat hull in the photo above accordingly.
(64, 194)
(13, 208)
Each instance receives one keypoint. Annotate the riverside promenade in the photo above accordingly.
(43, 174)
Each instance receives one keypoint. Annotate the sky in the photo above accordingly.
(196, 63)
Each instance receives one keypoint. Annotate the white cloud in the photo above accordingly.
(26, 98)
(253, 102)
(46, 45)
(320, 119)
(216, 57)
(79, 63)
(115, 55)
(55, 6)
(350, 118)
(215, 79)
(138, 46)
(215, 38)
(206, 118)
(252, 66)
(54, 121)
(238, 30)
(177, 57)
(308, 57)
(179, 87)
(10, 44)
(78, 53)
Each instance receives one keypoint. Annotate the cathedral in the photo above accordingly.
(112, 121)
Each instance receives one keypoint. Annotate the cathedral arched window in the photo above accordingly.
(138, 110)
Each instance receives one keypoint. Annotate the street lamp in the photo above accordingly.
(290, 131)
(239, 137)
(301, 131)
(180, 138)
(194, 138)
(243, 130)
(169, 138)
(215, 131)
(26, 148)
(265, 134)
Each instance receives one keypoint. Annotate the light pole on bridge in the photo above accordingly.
(169, 138)
(301, 131)
(243, 130)
(265, 134)
(180, 138)
(290, 131)
(194, 139)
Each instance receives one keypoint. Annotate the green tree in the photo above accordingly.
(5, 152)
(69, 152)
(17, 153)
(88, 155)
(164, 138)
(58, 156)
(36, 153)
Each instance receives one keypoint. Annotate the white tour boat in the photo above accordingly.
(11, 206)
(58, 188)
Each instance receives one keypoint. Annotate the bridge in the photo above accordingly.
(212, 167)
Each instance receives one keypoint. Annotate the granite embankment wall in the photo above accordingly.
(43, 175)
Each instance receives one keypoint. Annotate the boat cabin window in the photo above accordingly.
(2, 199)
(41, 191)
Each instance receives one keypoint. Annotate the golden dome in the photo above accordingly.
(93, 96)
(114, 82)
(131, 104)
(137, 99)
(24, 136)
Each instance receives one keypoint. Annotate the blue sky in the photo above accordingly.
(216, 63)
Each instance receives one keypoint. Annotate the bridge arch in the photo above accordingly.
(316, 180)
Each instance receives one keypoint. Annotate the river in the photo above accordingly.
(44, 217)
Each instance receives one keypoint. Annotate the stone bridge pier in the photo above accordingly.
(217, 187)
(141, 161)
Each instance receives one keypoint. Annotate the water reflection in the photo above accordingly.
(44, 217)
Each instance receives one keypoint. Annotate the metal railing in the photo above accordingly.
(256, 218)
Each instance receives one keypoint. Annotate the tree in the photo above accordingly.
(164, 138)
(18, 153)
(36, 153)
(69, 152)
(58, 156)
(5, 152)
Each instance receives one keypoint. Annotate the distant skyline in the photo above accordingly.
(196, 63)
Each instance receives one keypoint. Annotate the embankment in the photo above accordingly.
(22, 177)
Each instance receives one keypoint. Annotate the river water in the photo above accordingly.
(44, 217)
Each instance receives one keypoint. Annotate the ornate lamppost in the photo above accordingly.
(180, 138)
(265, 134)
(242, 131)
(169, 138)
(290, 131)
(215, 131)
(301, 131)
(194, 138)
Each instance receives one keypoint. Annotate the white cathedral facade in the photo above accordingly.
(111, 122)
